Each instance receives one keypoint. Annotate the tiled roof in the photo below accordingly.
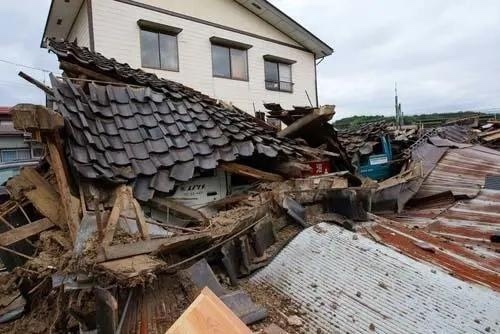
(5, 110)
(153, 138)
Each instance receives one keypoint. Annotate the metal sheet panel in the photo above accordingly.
(348, 284)
(462, 171)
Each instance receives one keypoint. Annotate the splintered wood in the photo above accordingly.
(132, 266)
(31, 185)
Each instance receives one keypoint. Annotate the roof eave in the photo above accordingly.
(43, 45)
(324, 49)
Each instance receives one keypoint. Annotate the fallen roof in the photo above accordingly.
(462, 171)
(122, 134)
(348, 284)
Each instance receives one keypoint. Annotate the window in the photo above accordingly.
(278, 76)
(159, 50)
(16, 155)
(37, 152)
(229, 59)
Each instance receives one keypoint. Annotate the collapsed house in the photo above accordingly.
(150, 192)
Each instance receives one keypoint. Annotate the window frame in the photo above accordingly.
(158, 30)
(277, 61)
(230, 45)
(16, 151)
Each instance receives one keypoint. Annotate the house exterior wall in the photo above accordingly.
(117, 35)
(13, 142)
(80, 28)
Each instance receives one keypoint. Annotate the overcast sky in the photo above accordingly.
(444, 54)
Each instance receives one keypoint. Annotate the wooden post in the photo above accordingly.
(68, 201)
(114, 216)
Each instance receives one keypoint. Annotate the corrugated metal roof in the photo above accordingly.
(462, 171)
(5, 110)
(460, 234)
(348, 284)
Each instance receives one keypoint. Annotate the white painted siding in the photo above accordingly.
(225, 12)
(117, 35)
(80, 29)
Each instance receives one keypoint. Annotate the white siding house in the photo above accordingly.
(241, 51)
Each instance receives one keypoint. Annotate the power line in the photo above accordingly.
(26, 66)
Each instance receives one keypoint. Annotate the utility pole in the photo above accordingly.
(397, 107)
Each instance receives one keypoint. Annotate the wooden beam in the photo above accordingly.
(114, 216)
(323, 113)
(171, 244)
(37, 83)
(25, 231)
(236, 168)
(141, 221)
(78, 70)
(165, 204)
(491, 137)
(31, 117)
(69, 203)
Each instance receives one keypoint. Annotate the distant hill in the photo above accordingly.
(426, 119)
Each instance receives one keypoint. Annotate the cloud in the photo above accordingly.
(22, 26)
(443, 53)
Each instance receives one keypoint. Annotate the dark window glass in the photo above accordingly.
(221, 61)
(229, 62)
(168, 52)
(239, 64)
(159, 50)
(278, 76)
(150, 53)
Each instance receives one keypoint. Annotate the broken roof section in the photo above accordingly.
(154, 135)
(373, 288)
(462, 171)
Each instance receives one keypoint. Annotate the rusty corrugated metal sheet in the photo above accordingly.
(460, 235)
(462, 171)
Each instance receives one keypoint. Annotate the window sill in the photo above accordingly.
(229, 78)
(280, 91)
(160, 69)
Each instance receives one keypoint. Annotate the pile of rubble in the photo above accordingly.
(155, 204)
(489, 134)
(142, 179)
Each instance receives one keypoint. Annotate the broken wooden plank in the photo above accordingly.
(165, 204)
(171, 244)
(25, 231)
(31, 185)
(208, 312)
(131, 266)
(236, 168)
(31, 117)
(491, 137)
(323, 113)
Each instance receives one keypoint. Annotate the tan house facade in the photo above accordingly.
(244, 52)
